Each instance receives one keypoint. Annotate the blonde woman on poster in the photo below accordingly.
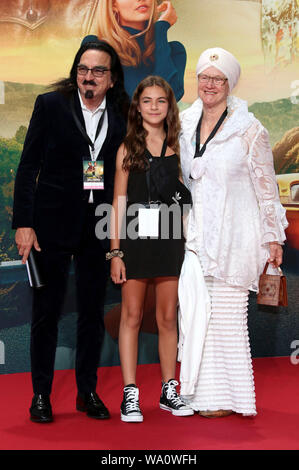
(236, 224)
(137, 29)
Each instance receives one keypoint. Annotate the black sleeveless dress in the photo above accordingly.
(149, 257)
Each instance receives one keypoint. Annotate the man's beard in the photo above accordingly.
(89, 94)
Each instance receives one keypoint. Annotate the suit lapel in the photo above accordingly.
(78, 109)
(111, 124)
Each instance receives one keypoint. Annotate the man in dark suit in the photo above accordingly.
(84, 119)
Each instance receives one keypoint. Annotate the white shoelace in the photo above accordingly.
(132, 397)
(171, 393)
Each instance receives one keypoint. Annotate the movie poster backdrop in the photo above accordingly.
(38, 41)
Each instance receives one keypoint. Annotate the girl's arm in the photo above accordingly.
(118, 269)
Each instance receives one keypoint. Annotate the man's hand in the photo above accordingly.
(25, 238)
(167, 13)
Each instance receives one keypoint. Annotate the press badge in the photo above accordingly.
(93, 174)
(148, 222)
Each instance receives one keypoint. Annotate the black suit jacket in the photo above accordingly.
(49, 195)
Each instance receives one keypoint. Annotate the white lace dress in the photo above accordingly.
(236, 213)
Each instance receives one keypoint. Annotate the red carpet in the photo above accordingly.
(275, 426)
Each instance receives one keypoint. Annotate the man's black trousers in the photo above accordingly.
(90, 278)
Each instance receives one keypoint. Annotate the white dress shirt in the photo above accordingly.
(91, 119)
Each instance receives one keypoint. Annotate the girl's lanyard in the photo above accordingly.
(148, 216)
(150, 159)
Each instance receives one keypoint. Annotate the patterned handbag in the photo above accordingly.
(272, 289)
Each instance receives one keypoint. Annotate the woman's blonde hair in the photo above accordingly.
(126, 45)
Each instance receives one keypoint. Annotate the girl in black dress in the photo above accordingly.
(147, 178)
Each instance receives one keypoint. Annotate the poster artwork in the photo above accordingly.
(280, 24)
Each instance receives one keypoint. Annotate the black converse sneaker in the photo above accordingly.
(171, 401)
(130, 410)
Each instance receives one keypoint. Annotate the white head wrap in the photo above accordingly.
(223, 61)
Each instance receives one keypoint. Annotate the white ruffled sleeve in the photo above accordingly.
(261, 168)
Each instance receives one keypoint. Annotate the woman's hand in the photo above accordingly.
(168, 13)
(118, 270)
(275, 254)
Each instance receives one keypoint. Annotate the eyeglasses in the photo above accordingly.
(215, 80)
(96, 71)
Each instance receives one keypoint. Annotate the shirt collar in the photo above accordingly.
(101, 107)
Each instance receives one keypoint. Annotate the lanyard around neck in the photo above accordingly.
(199, 152)
(150, 158)
(163, 150)
(81, 128)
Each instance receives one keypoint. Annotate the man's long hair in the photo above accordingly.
(115, 95)
(135, 140)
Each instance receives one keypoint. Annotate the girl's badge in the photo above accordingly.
(148, 222)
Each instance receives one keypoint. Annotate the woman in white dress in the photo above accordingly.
(236, 224)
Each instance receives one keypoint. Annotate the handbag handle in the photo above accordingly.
(266, 267)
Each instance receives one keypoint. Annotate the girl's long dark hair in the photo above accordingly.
(116, 95)
(135, 140)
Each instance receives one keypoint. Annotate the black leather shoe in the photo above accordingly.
(92, 405)
(41, 410)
